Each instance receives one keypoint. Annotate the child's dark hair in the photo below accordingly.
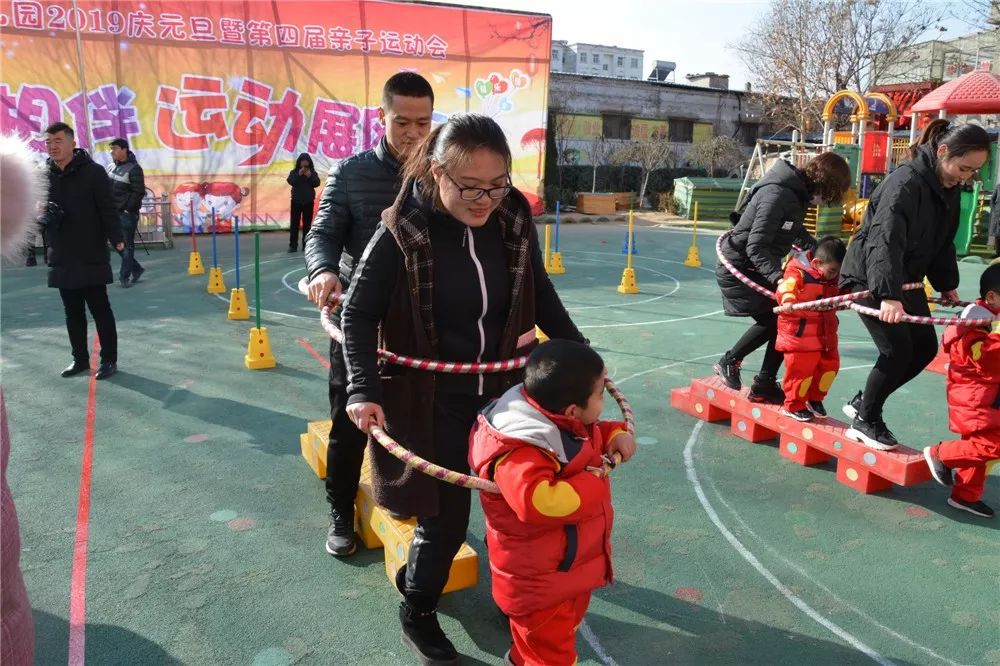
(990, 280)
(561, 373)
(406, 84)
(830, 249)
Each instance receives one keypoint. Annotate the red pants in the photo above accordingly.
(548, 637)
(969, 457)
(808, 377)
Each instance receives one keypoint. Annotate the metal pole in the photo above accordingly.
(194, 242)
(256, 275)
(556, 247)
(236, 228)
(631, 223)
(215, 255)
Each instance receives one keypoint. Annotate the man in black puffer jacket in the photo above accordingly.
(357, 190)
(79, 221)
(128, 187)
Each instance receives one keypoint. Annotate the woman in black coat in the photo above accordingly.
(771, 222)
(908, 234)
(304, 181)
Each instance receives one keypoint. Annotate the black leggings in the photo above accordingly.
(904, 351)
(763, 331)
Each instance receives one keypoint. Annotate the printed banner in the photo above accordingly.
(217, 99)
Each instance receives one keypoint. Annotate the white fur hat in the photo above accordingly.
(22, 187)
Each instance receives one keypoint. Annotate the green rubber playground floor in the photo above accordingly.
(206, 526)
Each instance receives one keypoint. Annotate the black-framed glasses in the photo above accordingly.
(476, 193)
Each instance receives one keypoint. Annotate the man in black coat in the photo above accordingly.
(357, 190)
(304, 181)
(80, 219)
(128, 188)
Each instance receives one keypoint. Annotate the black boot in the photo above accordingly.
(423, 635)
(729, 369)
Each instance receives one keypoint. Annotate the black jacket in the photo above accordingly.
(771, 222)
(128, 185)
(459, 254)
(303, 187)
(908, 233)
(78, 237)
(357, 190)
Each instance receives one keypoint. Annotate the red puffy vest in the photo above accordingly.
(973, 377)
(806, 330)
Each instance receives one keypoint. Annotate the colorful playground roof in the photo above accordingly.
(976, 92)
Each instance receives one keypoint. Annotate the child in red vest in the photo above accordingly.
(973, 402)
(808, 338)
(549, 529)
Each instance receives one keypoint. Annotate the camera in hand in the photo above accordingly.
(52, 216)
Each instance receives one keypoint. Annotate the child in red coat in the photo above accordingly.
(549, 529)
(973, 402)
(808, 338)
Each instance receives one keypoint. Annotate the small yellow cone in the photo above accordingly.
(216, 285)
(930, 292)
(259, 356)
(195, 266)
(238, 304)
(555, 264)
(628, 285)
(693, 259)
(541, 335)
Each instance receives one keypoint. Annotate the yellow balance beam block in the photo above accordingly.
(317, 464)
(397, 535)
(364, 507)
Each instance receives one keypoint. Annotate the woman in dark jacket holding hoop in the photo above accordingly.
(453, 273)
(908, 234)
(771, 223)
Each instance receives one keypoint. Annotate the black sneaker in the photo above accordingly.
(875, 434)
(816, 407)
(105, 370)
(423, 635)
(729, 370)
(975, 508)
(340, 536)
(803, 415)
(137, 273)
(939, 471)
(766, 390)
(853, 407)
(402, 517)
(76, 368)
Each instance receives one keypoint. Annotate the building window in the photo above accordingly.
(605, 67)
(596, 59)
(749, 134)
(621, 61)
(635, 63)
(583, 58)
(617, 127)
(681, 131)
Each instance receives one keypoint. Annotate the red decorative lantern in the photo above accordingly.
(874, 152)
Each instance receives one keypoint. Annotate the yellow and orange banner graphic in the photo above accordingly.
(217, 99)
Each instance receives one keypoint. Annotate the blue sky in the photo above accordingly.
(693, 33)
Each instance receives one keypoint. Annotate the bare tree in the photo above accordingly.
(721, 152)
(809, 49)
(650, 154)
(976, 14)
(599, 152)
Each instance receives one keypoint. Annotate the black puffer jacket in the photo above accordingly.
(303, 187)
(79, 237)
(770, 224)
(908, 233)
(357, 190)
(128, 184)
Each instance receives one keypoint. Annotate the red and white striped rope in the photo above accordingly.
(845, 300)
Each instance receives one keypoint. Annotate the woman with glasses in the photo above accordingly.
(453, 273)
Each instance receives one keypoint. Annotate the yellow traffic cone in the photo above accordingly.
(216, 285)
(628, 285)
(693, 259)
(259, 356)
(555, 264)
(195, 266)
(238, 304)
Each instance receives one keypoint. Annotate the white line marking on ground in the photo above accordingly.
(774, 551)
(595, 645)
(761, 569)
